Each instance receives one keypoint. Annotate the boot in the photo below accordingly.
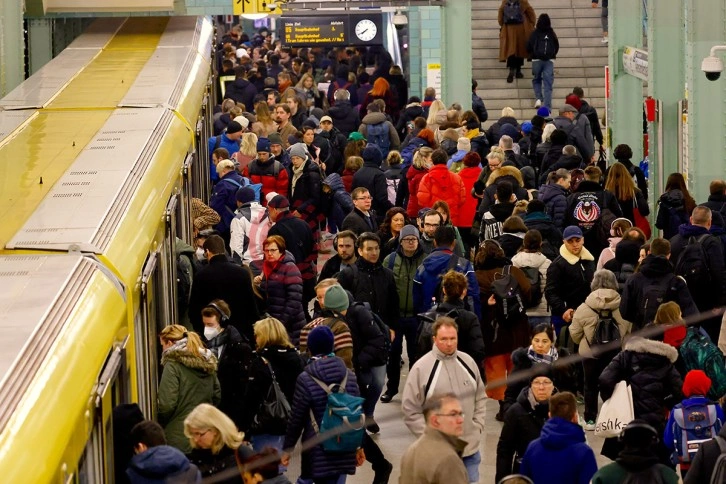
(519, 74)
(499, 417)
(510, 77)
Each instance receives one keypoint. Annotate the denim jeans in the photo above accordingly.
(408, 328)
(471, 462)
(371, 382)
(543, 72)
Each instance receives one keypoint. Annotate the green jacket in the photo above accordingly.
(614, 473)
(404, 269)
(186, 381)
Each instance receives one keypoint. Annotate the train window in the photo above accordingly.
(185, 222)
(90, 467)
(146, 331)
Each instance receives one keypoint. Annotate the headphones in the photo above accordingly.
(223, 318)
(643, 426)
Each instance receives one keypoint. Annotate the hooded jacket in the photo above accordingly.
(560, 455)
(551, 235)
(584, 321)
(523, 423)
(242, 91)
(568, 280)
(647, 365)
(410, 112)
(630, 462)
(555, 200)
(162, 464)
(413, 181)
(404, 270)
(429, 274)
(284, 290)
(376, 118)
(223, 199)
(456, 373)
(248, 230)
(186, 381)
(671, 201)
(440, 184)
(435, 458)
(541, 263)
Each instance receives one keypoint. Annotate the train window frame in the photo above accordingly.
(185, 214)
(146, 333)
(168, 258)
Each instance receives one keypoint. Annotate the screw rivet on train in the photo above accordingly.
(74, 144)
(41, 181)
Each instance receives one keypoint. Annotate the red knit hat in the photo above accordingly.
(573, 101)
(696, 383)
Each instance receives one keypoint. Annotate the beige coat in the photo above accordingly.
(513, 37)
(584, 321)
(435, 458)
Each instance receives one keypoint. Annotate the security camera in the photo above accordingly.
(400, 20)
(712, 66)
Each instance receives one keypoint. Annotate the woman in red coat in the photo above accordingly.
(440, 184)
(469, 174)
(419, 168)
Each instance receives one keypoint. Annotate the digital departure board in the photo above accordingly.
(332, 31)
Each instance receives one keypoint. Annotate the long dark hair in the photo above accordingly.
(392, 212)
(676, 181)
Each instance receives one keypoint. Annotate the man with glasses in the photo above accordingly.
(444, 370)
(428, 223)
(403, 262)
(362, 218)
(435, 458)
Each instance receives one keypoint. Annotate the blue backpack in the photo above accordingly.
(378, 135)
(693, 425)
(343, 416)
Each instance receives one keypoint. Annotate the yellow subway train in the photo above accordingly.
(101, 152)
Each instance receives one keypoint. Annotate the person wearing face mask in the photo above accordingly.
(233, 357)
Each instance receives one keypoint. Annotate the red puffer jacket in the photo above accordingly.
(440, 184)
(273, 176)
(414, 177)
(468, 176)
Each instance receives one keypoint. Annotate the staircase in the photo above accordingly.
(580, 61)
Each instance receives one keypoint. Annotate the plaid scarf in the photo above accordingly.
(549, 358)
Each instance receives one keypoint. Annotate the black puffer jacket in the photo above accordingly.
(287, 365)
(671, 201)
(374, 284)
(555, 199)
(242, 91)
(223, 462)
(522, 425)
(647, 366)
(345, 117)
(368, 340)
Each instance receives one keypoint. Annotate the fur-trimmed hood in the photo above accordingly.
(571, 258)
(206, 363)
(638, 344)
(512, 171)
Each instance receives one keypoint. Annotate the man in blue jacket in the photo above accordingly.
(561, 453)
(156, 462)
(427, 281)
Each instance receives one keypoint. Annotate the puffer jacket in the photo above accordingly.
(283, 286)
(374, 284)
(542, 263)
(555, 199)
(287, 365)
(523, 423)
(469, 176)
(368, 340)
(647, 366)
(413, 179)
(273, 178)
(186, 381)
(584, 321)
(504, 173)
(211, 464)
(551, 235)
(568, 280)
(305, 197)
(310, 396)
(404, 270)
(440, 184)
(674, 201)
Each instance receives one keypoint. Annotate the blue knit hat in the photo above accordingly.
(263, 144)
(320, 340)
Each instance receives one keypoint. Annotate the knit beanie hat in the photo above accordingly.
(263, 144)
(299, 150)
(407, 231)
(245, 195)
(696, 383)
(234, 127)
(463, 144)
(371, 153)
(336, 299)
(320, 340)
(274, 138)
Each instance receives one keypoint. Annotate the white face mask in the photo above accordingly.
(210, 332)
(200, 253)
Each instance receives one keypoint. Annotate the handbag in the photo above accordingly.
(640, 221)
(616, 412)
(274, 413)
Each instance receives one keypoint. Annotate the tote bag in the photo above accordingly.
(616, 412)
(640, 221)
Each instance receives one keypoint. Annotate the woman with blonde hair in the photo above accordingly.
(189, 378)
(414, 175)
(214, 440)
(620, 183)
(276, 359)
(264, 124)
(247, 151)
(307, 86)
(437, 115)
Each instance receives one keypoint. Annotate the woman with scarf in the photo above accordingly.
(189, 378)
(281, 283)
(306, 187)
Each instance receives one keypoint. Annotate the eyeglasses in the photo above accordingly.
(451, 415)
(432, 225)
(542, 384)
(271, 251)
(365, 198)
(410, 240)
(199, 435)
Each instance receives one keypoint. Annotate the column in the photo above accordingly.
(456, 53)
(40, 43)
(12, 45)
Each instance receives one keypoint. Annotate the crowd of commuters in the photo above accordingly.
(495, 254)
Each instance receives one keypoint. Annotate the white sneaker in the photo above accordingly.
(604, 40)
(589, 426)
(538, 103)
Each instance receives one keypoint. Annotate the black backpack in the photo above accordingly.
(692, 265)
(425, 333)
(508, 295)
(606, 331)
(543, 47)
(719, 468)
(622, 276)
(655, 293)
(382, 326)
(535, 281)
(512, 13)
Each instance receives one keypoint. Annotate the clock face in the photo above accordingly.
(366, 30)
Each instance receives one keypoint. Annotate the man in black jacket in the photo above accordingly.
(362, 218)
(372, 177)
(477, 103)
(222, 279)
(717, 198)
(241, 90)
(345, 117)
(344, 244)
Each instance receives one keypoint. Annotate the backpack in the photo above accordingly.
(606, 331)
(425, 332)
(699, 353)
(508, 295)
(535, 280)
(655, 293)
(382, 326)
(379, 136)
(543, 48)
(342, 411)
(719, 468)
(392, 188)
(693, 425)
(676, 217)
(622, 276)
(490, 227)
(692, 265)
(512, 13)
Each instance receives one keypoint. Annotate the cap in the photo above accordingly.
(275, 139)
(245, 195)
(326, 118)
(279, 201)
(270, 196)
(234, 127)
(242, 120)
(311, 122)
(336, 299)
(299, 150)
(568, 108)
(571, 232)
(263, 144)
(407, 231)
(356, 136)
